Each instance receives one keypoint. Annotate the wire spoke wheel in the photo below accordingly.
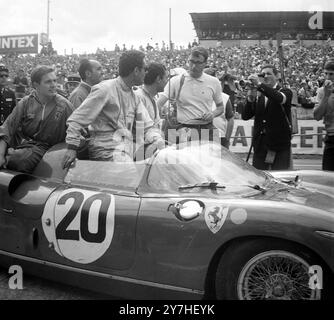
(276, 275)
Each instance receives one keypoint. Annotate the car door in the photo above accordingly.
(92, 227)
(162, 238)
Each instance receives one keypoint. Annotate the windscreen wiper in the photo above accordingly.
(295, 182)
(205, 185)
(216, 185)
(257, 187)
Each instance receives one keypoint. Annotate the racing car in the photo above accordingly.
(193, 221)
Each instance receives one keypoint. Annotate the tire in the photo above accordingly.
(267, 269)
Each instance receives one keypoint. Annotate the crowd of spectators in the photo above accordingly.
(303, 66)
(264, 35)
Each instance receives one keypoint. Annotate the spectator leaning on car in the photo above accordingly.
(324, 109)
(111, 110)
(37, 123)
(7, 96)
(271, 110)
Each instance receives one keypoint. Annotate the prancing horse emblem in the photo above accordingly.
(215, 217)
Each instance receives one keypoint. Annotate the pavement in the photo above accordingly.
(34, 288)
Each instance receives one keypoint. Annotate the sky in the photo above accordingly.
(83, 26)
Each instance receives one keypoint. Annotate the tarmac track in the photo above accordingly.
(39, 289)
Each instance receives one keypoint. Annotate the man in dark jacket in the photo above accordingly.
(270, 106)
(36, 124)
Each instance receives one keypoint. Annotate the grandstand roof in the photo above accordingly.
(255, 21)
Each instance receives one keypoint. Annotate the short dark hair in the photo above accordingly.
(210, 71)
(270, 66)
(38, 73)
(200, 51)
(329, 65)
(130, 60)
(83, 67)
(154, 70)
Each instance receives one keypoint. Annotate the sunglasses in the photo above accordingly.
(329, 73)
(4, 75)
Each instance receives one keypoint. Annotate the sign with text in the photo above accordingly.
(309, 139)
(26, 43)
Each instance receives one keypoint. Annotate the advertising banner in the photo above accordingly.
(26, 43)
(309, 139)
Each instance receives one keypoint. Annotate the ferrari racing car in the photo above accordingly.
(193, 221)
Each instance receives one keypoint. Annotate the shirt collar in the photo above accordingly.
(85, 84)
(200, 79)
(123, 85)
(34, 95)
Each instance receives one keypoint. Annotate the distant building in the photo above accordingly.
(249, 28)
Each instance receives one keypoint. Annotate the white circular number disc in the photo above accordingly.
(83, 224)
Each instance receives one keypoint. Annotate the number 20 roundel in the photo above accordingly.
(80, 224)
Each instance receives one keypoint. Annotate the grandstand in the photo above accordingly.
(250, 28)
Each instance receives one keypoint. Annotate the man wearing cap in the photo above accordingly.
(36, 124)
(324, 109)
(110, 112)
(73, 81)
(7, 96)
(197, 94)
(91, 74)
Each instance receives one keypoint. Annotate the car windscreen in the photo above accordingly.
(198, 163)
(124, 175)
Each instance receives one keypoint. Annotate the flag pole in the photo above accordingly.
(48, 21)
(169, 70)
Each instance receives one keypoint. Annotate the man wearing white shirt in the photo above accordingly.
(198, 92)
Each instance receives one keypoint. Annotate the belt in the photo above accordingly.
(205, 126)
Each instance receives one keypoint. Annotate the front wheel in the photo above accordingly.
(267, 270)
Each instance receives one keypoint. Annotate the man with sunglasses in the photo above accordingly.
(7, 96)
(324, 109)
(270, 106)
(198, 92)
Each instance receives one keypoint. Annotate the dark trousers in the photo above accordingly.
(328, 156)
(281, 161)
(25, 159)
